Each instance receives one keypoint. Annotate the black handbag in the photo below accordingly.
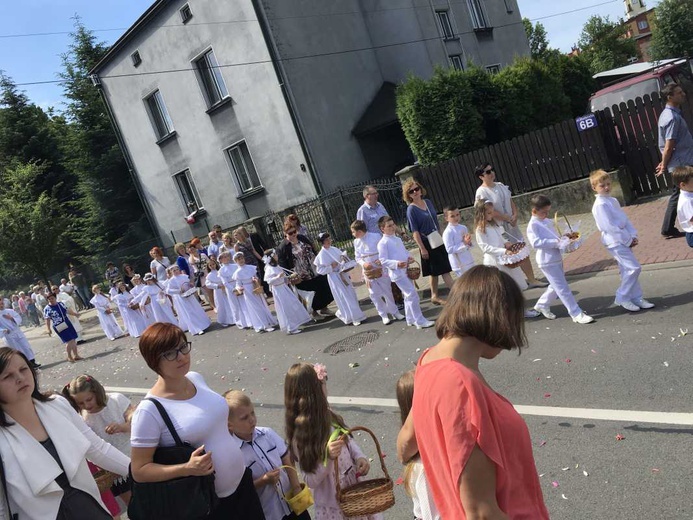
(185, 498)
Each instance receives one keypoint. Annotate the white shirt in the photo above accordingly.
(391, 251)
(366, 248)
(684, 211)
(424, 506)
(67, 288)
(543, 237)
(500, 196)
(160, 267)
(613, 222)
(113, 412)
(458, 252)
(202, 419)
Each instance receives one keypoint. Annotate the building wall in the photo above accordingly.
(257, 114)
(642, 36)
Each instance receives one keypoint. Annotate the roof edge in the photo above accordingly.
(139, 24)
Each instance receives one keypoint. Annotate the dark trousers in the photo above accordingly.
(689, 239)
(294, 516)
(242, 504)
(669, 222)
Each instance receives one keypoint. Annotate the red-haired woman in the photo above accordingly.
(159, 264)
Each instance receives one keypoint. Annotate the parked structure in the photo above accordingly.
(226, 110)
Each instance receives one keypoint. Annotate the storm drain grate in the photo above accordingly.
(353, 342)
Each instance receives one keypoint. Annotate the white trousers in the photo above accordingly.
(380, 291)
(558, 288)
(412, 309)
(629, 267)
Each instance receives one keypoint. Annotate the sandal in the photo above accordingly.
(70, 360)
(78, 358)
(438, 301)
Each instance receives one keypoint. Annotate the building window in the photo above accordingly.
(476, 11)
(493, 69)
(509, 6)
(185, 13)
(188, 192)
(642, 25)
(243, 167)
(445, 25)
(163, 126)
(211, 78)
(136, 58)
(456, 62)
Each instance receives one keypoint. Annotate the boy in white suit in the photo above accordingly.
(549, 245)
(457, 242)
(620, 237)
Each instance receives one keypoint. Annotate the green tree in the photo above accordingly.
(32, 227)
(438, 116)
(538, 40)
(532, 97)
(113, 213)
(576, 81)
(606, 44)
(672, 33)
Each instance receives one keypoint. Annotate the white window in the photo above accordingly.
(163, 126)
(445, 25)
(243, 167)
(456, 62)
(642, 25)
(185, 13)
(210, 76)
(476, 11)
(188, 192)
(493, 69)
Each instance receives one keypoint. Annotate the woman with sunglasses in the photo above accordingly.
(423, 221)
(200, 416)
(504, 213)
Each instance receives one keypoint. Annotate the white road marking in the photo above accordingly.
(595, 414)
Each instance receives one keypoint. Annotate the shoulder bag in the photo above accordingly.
(434, 238)
(185, 498)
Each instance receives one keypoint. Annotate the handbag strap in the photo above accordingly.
(167, 420)
(4, 489)
(428, 210)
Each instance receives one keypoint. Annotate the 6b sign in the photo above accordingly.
(586, 122)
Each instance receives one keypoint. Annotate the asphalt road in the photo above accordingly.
(638, 362)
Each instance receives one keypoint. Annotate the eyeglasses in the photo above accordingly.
(486, 172)
(171, 355)
(291, 233)
(414, 189)
(372, 193)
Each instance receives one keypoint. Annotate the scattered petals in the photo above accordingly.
(593, 351)
(568, 360)
(546, 396)
(619, 437)
(563, 496)
(565, 469)
(353, 365)
(542, 443)
(655, 470)
(399, 481)
(666, 363)
(535, 360)
(585, 473)
(554, 484)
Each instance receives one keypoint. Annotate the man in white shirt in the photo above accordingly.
(66, 286)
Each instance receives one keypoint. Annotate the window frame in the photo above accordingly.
(478, 15)
(183, 11)
(161, 118)
(209, 77)
(493, 69)
(446, 30)
(643, 25)
(242, 146)
(190, 206)
(458, 58)
(136, 59)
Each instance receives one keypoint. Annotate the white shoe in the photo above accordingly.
(297, 331)
(386, 320)
(532, 313)
(425, 325)
(356, 323)
(546, 313)
(583, 319)
(643, 303)
(269, 329)
(629, 306)
(399, 316)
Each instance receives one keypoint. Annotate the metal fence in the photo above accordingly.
(335, 211)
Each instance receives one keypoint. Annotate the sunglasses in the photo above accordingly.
(291, 233)
(414, 190)
(486, 172)
(171, 355)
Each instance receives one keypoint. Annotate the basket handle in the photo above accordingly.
(380, 456)
(414, 261)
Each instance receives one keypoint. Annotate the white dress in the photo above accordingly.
(114, 411)
(493, 245)
(189, 309)
(290, 312)
(145, 309)
(258, 312)
(224, 315)
(132, 318)
(344, 294)
(154, 297)
(236, 302)
(70, 305)
(106, 320)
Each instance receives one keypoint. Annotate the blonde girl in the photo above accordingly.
(415, 482)
(309, 427)
(291, 314)
(107, 319)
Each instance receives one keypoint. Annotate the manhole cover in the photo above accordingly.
(353, 342)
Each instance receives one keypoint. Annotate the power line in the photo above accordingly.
(317, 55)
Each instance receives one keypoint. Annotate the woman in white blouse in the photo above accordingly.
(44, 446)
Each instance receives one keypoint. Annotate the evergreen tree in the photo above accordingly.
(538, 40)
(606, 44)
(672, 34)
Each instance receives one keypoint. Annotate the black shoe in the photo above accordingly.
(400, 306)
(674, 234)
(34, 364)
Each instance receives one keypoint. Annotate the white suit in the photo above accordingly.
(379, 289)
(11, 332)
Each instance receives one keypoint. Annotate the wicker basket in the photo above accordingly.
(134, 306)
(295, 279)
(257, 287)
(373, 273)
(105, 479)
(515, 249)
(414, 271)
(302, 500)
(370, 496)
(238, 291)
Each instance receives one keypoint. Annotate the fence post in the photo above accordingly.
(408, 172)
(347, 219)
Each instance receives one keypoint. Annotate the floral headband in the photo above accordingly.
(321, 371)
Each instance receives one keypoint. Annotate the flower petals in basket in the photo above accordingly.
(104, 479)
(520, 251)
(346, 264)
(189, 292)
(257, 287)
(295, 279)
(575, 242)
(373, 273)
(414, 271)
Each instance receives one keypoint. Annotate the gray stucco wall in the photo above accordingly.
(257, 114)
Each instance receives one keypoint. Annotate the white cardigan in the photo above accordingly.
(31, 471)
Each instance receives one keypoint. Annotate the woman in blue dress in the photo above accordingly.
(55, 314)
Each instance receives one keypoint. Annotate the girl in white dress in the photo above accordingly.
(329, 261)
(144, 309)
(190, 312)
(106, 318)
(290, 312)
(132, 318)
(236, 302)
(154, 297)
(258, 312)
(213, 282)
